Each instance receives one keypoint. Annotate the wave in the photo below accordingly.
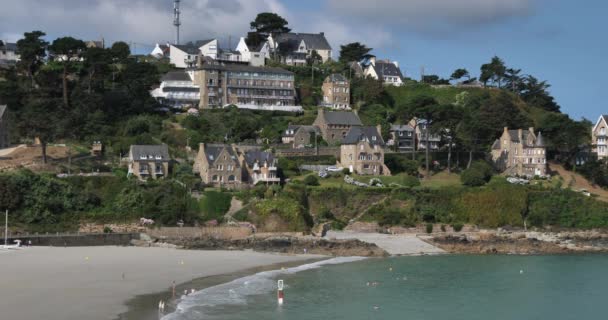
(236, 292)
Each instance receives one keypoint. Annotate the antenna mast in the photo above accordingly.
(176, 21)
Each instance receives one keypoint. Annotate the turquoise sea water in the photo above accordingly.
(428, 287)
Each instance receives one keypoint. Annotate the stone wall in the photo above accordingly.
(78, 240)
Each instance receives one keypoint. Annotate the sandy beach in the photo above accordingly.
(87, 282)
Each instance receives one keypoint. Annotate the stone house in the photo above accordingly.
(149, 161)
(5, 141)
(599, 136)
(300, 136)
(336, 92)
(224, 165)
(402, 138)
(520, 152)
(218, 165)
(362, 151)
(261, 167)
(421, 134)
(334, 125)
(294, 48)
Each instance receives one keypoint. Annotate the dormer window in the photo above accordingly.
(603, 130)
(150, 157)
(143, 157)
(373, 138)
(159, 157)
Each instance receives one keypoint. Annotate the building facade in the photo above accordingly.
(422, 134)
(243, 85)
(8, 52)
(300, 136)
(218, 165)
(178, 90)
(403, 138)
(334, 125)
(149, 161)
(336, 92)
(294, 48)
(362, 151)
(520, 152)
(5, 141)
(228, 166)
(599, 138)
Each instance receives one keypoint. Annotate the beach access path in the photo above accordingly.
(398, 244)
(78, 283)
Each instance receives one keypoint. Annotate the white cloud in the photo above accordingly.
(139, 21)
(433, 15)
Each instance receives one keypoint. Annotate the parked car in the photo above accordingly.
(334, 169)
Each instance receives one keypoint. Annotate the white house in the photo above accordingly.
(8, 52)
(294, 48)
(178, 90)
(184, 56)
(254, 56)
(599, 136)
(161, 51)
(385, 70)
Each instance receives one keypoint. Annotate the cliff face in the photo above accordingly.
(524, 242)
(285, 244)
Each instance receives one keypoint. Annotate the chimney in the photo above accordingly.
(531, 129)
(520, 135)
(379, 128)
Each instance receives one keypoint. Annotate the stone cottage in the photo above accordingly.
(520, 152)
(362, 151)
(334, 125)
(149, 161)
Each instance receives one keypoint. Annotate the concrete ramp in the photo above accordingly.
(403, 244)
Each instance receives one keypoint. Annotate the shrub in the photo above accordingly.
(346, 171)
(429, 228)
(477, 175)
(443, 228)
(311, 180)
(214, 205)
(457, 226)
(397, 163)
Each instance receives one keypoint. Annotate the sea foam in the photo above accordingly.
(236, 292)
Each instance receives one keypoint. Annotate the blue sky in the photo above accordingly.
(560, 41)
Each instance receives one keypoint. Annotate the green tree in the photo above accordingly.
(96, 63)
(41, 118)
(535, 93)
(477, 175)
(424, 109)
(120, 51)
(66, 50)
(32, 50)
(493, 72)
(264, 24)
(459, 74)
(448, 118)
(353, 52)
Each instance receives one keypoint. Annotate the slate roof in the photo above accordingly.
(295, 129)
(336, 77)
(540, 142)
(342, 118)
(496, 145)
(369, 134)
(180, 89)
(3, 108)
(200, 43)
(253, 156)
(244, 68)
(8, 46)
(401, 127)
(314, 41)
(150, 152)
(212, 152)
(176, 76)
(514, 134)
(188, 49)
(384, 68)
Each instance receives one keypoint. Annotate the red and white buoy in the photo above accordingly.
(280, 294)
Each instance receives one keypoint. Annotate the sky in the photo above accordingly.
(561, 41)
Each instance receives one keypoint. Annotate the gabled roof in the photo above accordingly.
(602, 117)
(336, 77)
(496, 145)
(176, 76)
(253, 156)
(3, 108)
(296, 128)
(342, 118)
(369, 134)
(150, 152)
(314, 41)
(540, 142)
(212, 152)
(243, 68)
(384, 68)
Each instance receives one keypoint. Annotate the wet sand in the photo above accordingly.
(87, 282)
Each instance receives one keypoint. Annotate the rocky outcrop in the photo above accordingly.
(523, 242)
(285, 244)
